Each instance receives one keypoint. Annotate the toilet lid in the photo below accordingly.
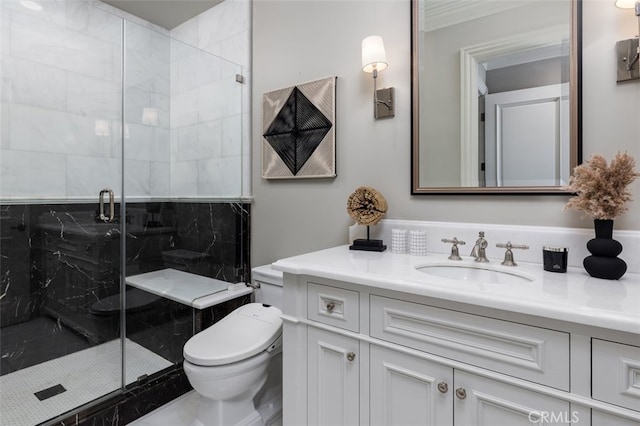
(245, 332)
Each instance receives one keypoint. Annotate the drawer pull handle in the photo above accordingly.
(443, 387)
(461, 393)
(351, 356)
(330, 307)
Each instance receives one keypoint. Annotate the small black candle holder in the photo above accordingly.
(368, 244)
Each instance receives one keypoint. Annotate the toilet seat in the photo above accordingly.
(245, 332)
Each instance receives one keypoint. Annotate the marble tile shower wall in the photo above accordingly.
(58, 262)
(224, 31)
(62, 106)
(61, 86)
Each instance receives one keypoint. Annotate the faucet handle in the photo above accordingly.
(455, 255)
(508, 255)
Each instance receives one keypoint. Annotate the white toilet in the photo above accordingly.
(229, 363)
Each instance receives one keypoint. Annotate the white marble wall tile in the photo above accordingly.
(136, 178)
(53, 11)
(135, 101)
(147, 143)
(87, 176)
(187, 143)
(198, 141)
(230, 69)
(184, 178)
(40, 130)
(219, 177)
(94, 97)
(220, 99)
(246, 175)
(236, 48)
(53, 45)
(5, 30)
(5, 125)
(186, 33)
(162, 103)
(232, 136)
(223, 28)
(137, 38)
(184, 109)
(197, 69)
(210, 135)
(69, 59)
(231, 16)
(32, 174)
(207, 25)
(246, 132)
(86, 19)
(160, 179)
(147, 73)
(139, 144)
(160, 47)
(162, 145)
(31, 83)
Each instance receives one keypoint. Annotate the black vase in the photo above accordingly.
(603, 262)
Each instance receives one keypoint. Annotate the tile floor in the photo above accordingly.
(85, 376)
(182, 411)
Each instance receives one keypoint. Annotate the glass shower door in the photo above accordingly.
(60, 262)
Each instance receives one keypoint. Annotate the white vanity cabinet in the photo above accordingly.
(407, 390)
(333, 379)
(356, 354)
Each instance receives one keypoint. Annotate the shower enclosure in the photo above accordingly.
(120, 154)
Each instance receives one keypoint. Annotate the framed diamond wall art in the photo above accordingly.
(298, 131)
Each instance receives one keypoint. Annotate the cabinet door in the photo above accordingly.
(333, 379)
(406, 390)
(484, 402)
(598, 418)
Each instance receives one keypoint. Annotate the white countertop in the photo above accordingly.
(573, 296)
(189, 289)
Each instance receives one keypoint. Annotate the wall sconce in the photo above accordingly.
(628, 51)
(374, 59)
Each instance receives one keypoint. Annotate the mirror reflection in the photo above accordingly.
(494, 95)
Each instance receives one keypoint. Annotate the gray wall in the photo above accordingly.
(298, 41)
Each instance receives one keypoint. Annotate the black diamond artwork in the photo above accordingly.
(297, 130)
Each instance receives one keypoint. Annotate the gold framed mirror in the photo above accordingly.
(496, 96)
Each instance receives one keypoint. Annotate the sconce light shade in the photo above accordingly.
(374, 58)
(150, 116)
(626, 4)
(102, 128)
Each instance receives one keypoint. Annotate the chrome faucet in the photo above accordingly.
(479, 249)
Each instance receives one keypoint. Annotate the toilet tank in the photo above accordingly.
(270, 285)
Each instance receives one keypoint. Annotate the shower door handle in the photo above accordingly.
(111, 205)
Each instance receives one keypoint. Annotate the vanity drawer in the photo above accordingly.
(333, 306)
(615, 373)
(531, 353)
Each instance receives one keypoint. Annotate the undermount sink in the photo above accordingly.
(479, 273)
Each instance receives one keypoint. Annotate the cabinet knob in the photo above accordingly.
(443, 387)
(461, 393)
(330, 307)
(351, 356)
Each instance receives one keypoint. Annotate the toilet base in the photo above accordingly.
(229, 413)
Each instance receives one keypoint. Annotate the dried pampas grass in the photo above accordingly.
(601, 188)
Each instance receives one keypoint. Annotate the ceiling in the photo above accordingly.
(165, 13)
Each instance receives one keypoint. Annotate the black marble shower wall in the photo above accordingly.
(60, 281)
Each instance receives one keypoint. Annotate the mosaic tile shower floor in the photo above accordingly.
(86, 375)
